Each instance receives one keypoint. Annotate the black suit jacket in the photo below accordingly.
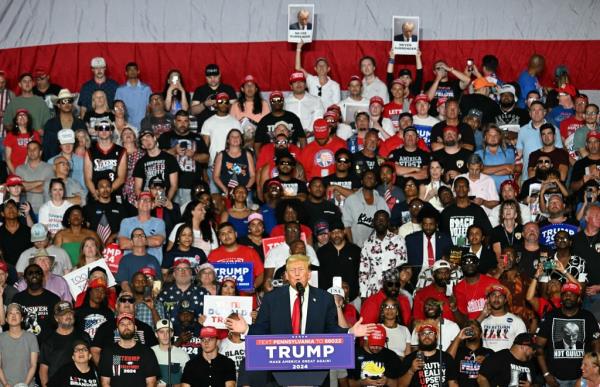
(296, 26)
(414, 250)
(275, 314)
(400, 38)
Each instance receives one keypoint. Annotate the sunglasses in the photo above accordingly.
(344, 161)
(390, 284)
(66, 101)
(276, 100)
(281, 142)
(222, 101)
(543, 162)
(103, 128)
(390, 306)
(127, 300)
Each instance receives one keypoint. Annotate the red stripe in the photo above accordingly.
(272, 62)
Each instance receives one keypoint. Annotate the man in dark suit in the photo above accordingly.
(302, 24)
(439, 242)
(407, 33)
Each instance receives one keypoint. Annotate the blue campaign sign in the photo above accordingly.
(243, 272)
(548, 232)
(299, 352)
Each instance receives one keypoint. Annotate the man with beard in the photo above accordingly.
(94, 310)
(500, 327)
(158, 119)
(147, 307)
(339, 258)
(281, 134)
(36, 302)
(470, 291)
(317, 207)
(293, 188)
(127, 362)
(457, 217)
(566, 334)
(376, 365)
(360, 207)
(265, 130)
(511, 367)
(437, 290)
(187, 329)
(55, 351)
(383, 250)
(510, 117)
(452, 157)
(530, 188)
(427, 367)
(409, 159)
(390, 289)
(344, 181)
(469, 353)
(318, 157)
(558, 218)
(559, 156)
(588, 167)
(467, 138)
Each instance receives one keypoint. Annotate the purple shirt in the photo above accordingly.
(55, 283)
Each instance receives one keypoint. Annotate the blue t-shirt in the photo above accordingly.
(502, 156)
(151, 227)
(558, 115)
(131, 264)
(527, 83)
(269, 220)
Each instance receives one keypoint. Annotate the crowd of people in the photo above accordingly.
(455, 210)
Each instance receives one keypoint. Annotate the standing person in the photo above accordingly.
(134, 93)
(306, 106)
(18, 350)
(155, 162)
(528, 79)
(173, 362)
(79, 370)
(318, 157)
(136, 260)
(355, 102)
(52, 212)
(65, 119)
(74, 233)
(320, 85)
(371, 85)
(94, 310)
(265, 130)
(210, 367)
(66, 139)
(468, 352)
(204, 98)
(250, 107)
(390, 318)
(56, 284)
(234, 165)
(29, 101)
(17, 140)
(176, 98)
(128, 362)
(99, 82)
(183, 249)
(133, 152)
(470, 291)
(15, 237)
(498, 159)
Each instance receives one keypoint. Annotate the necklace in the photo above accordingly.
(512, 236)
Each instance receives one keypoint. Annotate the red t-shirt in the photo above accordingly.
(320, 160)
(241, 254)
(431, 292)
(569, 126)
(279, 230)
(470, 299)
(545, 306)
(18, 145)
(369, 310)
(351, 314)
(267, 154)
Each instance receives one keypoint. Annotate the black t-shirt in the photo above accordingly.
(588, 247)
(200, 373)
(265, 127)
(70, 376)
(486, 105)
(580, 169)
(453, 162)
(429, 376)
(528, 258)
(91, 118)
(448, 89)
(194, 256)
(325, 210)
(39, 312)
(514, 117)
(14, 244)
(293, 187)
(343, 263)
(466, 133)
(514, 239)
(53, 89)
(89, 319)
(57, 350)
(352, 181)
(203, 92)
(162, 165)
(569, 338)
(108, 334)
(128, 367)
(455, 221)
(503, 369)
(362, 163)
(158, 125)
(417, 158)
(468, 368)
(385, 362)
(114, 212)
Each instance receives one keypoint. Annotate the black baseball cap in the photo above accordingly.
(211, 69)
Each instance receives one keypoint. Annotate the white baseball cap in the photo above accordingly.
(66, 136)
(441, 264)
(98, 62)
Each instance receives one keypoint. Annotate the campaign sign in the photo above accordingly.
(269, 244)
(112, 254)
(548, 232)
(405, 34)
(299, 352)
(77, 279)
(301, 20)
(243, 272)
(218, 308)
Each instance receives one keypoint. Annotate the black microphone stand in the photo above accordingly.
(300, 289)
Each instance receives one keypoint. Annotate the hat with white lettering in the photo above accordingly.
(441, 264)
(378, 337)
(62, 307)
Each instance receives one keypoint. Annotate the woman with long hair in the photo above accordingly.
(15, 143)
(100, 111)
(89, 252)
(134, 153)
(174, 93)
(120, 123)
(398, 335)
(234, 166)
(429, 192)
(74, 232)
(238, 213)
(510, 230)
(250, 103)
(54, 208)
(83, 142)
(182, 249)
(198, 215)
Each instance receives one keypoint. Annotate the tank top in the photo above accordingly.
(105, 162)
(234, 169)
(240, 225)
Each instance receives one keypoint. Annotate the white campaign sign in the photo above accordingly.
(77, 279)
(218, 308)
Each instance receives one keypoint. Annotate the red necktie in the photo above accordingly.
(430, 254)
(296, 328)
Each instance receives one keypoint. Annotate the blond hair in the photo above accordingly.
(297, 258)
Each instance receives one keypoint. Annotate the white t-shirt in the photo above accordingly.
(217, 128)
(234, 351)
(376, 87)
(498, 333)
(349, 107)
(449, 332)
(398, 339)
(51, 216)
(388, 128)
(178, 356)
(279, 254)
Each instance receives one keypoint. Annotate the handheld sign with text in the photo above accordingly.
(405, 34)
(270, 243)
(301, 22)
(218, 308)
(112, 254)
(243, 272)
(77, 279)
(299, 352)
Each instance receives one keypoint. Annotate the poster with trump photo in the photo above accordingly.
(405, 34)
(301, 22)
(218, 308)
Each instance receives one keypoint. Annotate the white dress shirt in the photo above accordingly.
(308, 109)
(330, 91)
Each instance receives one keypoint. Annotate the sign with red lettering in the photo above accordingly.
(272, 242)
(218, 308)
(112, 255)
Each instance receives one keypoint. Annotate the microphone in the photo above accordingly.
(300, 288)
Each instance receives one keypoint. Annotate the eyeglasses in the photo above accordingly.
(562, 239)
(281, 142)
(81, 350)
(66, 101)
(127, 300)
(591, 113)
(343, 161)
(390, 284)
(390, 306)
(426, 333)
(543, 161)
(276, 100)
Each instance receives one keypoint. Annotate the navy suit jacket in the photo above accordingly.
(415, 253)
(275, 314)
